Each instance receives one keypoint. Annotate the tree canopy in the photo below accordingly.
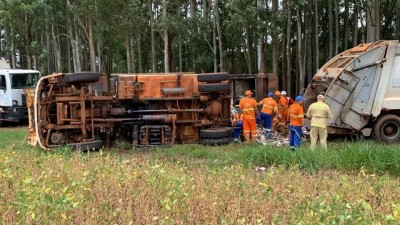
(291, 38)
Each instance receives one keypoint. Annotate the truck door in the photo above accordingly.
(351, 95)
(4, 94)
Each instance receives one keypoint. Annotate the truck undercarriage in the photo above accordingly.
(89, 110)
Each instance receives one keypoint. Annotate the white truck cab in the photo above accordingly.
(12, 97)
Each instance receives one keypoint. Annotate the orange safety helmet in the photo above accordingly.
(277, 93)
(248, 93)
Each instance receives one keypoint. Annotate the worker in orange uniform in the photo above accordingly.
(248, 107)
(296, 118)
(269, 106)
(278, 116)
(283, 106)
(237, 124)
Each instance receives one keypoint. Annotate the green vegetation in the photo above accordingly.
(352, 183)
(342, 156)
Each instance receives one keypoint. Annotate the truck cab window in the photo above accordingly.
(3, 85)
(19, 81)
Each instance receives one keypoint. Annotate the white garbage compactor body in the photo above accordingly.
(362, 87)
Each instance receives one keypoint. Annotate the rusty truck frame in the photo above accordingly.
(89, 110)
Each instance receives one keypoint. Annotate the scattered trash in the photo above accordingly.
(260, 169)
(276, 138)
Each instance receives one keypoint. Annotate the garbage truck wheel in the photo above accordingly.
(90, 145)
(73, 78)
(387, 128)
(216, 141)
(212, 77)
(214, 87)
(214, 133)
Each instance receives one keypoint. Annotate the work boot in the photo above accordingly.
(273, 127)
(268, 135)
(247, 137)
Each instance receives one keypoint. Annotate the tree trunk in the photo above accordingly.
(28, 42)
(336, 27)
(10, 47)
(288, 42)
(50, 60)
(219, 33)
(133, 55)
(152, 42)
(299, 50)
(316, 35)
(69, 55)
(92, 50)
(345, 26)
(260, 63)
(78, 51)
(215, 47)
(274, 43)
(56, 49)
(355, 22)
(180, 52)
(74, 39)
(166, 38)
(309, 46)
(139, 45)
(397, 35)
(128, 53)
(195, 33)
(248, 52)
(378, 20)
(370, 21)
(283, 64)
(330, 29)
(99, 56)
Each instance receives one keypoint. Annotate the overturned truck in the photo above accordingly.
(89, 110)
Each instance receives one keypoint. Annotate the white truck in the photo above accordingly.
(12, 98)
(362, 87)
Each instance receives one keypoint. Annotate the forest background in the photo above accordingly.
(291, 38)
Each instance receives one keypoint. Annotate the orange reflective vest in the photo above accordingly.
(283, 104)
(296, 115)
(269, 105)
(247, 106)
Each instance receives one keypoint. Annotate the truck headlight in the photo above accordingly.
(15, 103)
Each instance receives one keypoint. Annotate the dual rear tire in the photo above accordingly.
(387, 128)
(216, 136)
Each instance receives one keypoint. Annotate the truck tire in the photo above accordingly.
(90, 145)
(73, 78)
(387, 128)
(215, 133)
(214, 87)
(212, 77)
(216, 142)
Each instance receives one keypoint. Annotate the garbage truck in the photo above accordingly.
(12, 97)
(90, 110)
(362, 87)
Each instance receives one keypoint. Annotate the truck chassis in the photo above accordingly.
(89, 110)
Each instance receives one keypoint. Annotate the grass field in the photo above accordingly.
(352, 183)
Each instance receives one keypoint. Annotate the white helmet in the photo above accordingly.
(283, 92)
